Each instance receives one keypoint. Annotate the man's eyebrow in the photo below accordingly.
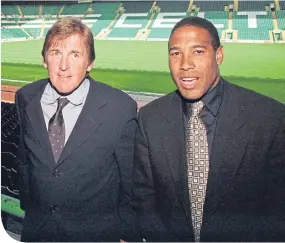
(199, 46)
(74, 51)
(54, 49)
(193, 46)
(173, 48)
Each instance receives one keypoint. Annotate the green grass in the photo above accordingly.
(143, 66)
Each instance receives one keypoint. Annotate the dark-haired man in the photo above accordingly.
(210, 156)
(76, 149)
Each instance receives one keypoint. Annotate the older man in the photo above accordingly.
(76, 149)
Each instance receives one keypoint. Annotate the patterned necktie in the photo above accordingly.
(198, 165)
(56, 129)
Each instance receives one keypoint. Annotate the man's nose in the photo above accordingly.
(187, 63)
(64, 63)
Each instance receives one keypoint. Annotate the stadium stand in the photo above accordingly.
(135, 16)
(172, 6)
(9, 141)
(72, 9)
(282, 4)
(51, 10)
(12, 33)
(281, 19)
(145, 20)
(254, 25)
(9, 9)
(30, 9)
(218, 18)
(103, 13)
(6, 33)
(137, 7)
(245, 5)
(211, 5)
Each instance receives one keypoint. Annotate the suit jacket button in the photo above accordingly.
(56, 173)
(53, 209)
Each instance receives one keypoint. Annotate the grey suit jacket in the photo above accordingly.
(87, 194)
(245, 199)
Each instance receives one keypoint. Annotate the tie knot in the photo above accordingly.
(196, 108)
(62, 102)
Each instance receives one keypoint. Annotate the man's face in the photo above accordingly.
(193, 61)
(67, 61)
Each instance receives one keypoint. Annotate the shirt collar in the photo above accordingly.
(212, 99)
(77, 97)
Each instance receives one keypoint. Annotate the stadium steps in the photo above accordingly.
(190, 6)
(20, 12)
(230, 21)
(235, 5)
(87, 11)
(143, 33)
(60, 11)
(152, 7)
(274, 19)
(277, 5)
(109, 28)
(42, 32)
(41, 11)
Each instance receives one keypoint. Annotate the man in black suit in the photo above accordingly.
(214, 175)
(76, 146)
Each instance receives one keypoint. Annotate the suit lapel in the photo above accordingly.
(228, 148)
(88, 121)
(36, 117)
(173, 140)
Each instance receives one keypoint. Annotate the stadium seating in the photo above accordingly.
(12, 33)
(34, 32)
(172, 6)
(246, 5)
(9, 143)
(281, 19)
(211, 5)
(107, 13)
(137, 7)
(248, 29)
(74, 9)
(6, 33)
(134, 20)
(9, 10)
(282, 4)
(30, 9)
(51, 9)
(130, 26)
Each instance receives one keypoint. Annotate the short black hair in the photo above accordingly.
(201, 23)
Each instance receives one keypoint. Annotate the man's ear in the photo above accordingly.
(44, 62)
(220, 55)
(90, 66)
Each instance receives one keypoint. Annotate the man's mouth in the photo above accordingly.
(188, 83)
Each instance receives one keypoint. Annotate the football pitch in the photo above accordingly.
(143, 66)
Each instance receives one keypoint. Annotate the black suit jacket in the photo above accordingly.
(245, 198)
(87, 195)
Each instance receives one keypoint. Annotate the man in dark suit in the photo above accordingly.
(76, 149)
(217, 174)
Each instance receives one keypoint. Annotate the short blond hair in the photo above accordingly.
(66, 27)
